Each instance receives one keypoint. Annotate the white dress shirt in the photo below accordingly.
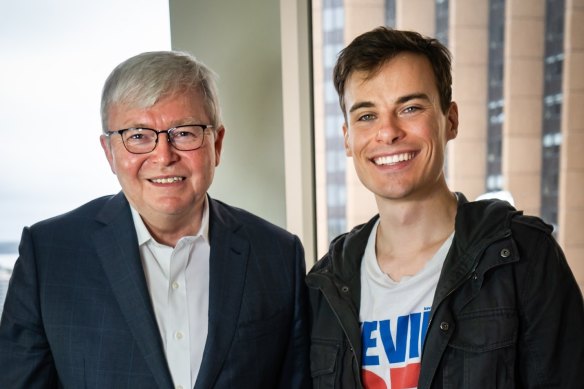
(178, 281)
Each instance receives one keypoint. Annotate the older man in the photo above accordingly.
(159, 286)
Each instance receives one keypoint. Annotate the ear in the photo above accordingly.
(219, 134)
(348, 151)
(106, 146)
(452, 126)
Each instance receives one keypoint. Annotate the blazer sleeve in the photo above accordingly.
(25, 354)
(296, 369)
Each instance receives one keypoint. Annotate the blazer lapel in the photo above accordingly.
(117, 248)
(228, 265)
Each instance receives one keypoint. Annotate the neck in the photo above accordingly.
(169, 229)
(410, 232)
(421, 214)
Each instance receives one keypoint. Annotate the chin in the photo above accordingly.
(168, 207)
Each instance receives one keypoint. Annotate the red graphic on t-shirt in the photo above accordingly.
(405, 377)
(401, 378)
(372, 380)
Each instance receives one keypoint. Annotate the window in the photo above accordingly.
(55, 57)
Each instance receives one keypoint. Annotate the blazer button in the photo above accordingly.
(345, 289)
(444, 326)
(505, 253)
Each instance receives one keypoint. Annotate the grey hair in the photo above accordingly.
(141, 81)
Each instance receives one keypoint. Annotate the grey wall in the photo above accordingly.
(240, 40)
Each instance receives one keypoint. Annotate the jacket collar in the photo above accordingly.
(482, 221)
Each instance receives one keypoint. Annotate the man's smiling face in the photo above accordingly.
(396, 131)
(165, 182)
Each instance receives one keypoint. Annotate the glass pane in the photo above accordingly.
(55, 57)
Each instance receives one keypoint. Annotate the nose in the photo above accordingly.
(164, 152)
(390, 131)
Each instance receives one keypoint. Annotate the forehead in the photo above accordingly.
(169, 110)
(405, 73)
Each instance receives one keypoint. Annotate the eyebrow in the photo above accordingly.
(400, 100)
(181, 122)
(187, 120)
(361, 104)
(413, 96)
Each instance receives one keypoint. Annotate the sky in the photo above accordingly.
(54, 57)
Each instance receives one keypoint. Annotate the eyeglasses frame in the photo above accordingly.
(204, 127)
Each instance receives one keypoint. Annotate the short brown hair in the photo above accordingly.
(370, 51)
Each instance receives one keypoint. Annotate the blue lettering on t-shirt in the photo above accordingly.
(395, 351)
(369, 342)
(395, 348)
(415, 340)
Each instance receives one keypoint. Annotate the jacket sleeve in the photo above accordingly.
(551, 337)
(296, 369)
(25, 354)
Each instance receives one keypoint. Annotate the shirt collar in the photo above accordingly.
(144, 236)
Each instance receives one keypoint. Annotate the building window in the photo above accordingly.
(442, 20)
(552, 110)
(390, 13)
(495, 113)
(333, 26)
(441, 34)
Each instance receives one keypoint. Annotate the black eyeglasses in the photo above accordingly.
(144, 140)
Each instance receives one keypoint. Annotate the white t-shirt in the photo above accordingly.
(394, 319)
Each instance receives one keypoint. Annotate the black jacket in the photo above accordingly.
(507, 312)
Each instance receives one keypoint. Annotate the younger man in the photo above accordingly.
(434, 291)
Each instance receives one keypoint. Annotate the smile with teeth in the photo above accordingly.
(166, 180)
(393, 159)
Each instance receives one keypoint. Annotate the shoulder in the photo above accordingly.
(335, 251)
(245, 222)
(346, 250)
(495, 219)
(535, 240)
(527, 224)
(66, 233)
(273, 252)
(486, 225)
(80, 214)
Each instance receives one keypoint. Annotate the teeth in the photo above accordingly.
(393, 159)
(168, 180)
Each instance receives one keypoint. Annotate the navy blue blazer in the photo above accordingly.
(78, 313)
